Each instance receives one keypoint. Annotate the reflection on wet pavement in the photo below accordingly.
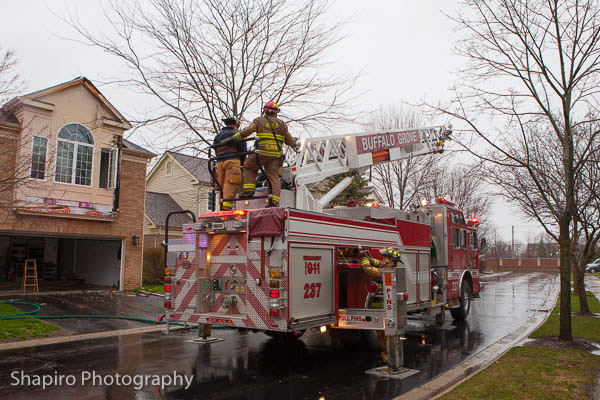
(254, 366)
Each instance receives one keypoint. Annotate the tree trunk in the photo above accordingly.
(578, 281)
(565, 333)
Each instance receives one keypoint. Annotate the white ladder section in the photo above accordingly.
(322, 157)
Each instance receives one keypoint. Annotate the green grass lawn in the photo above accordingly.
(22, 329)
(152, 288)
(542, 372)
(533, 372)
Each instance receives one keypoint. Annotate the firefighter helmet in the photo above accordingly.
(271, 106)
(231, 119)
(391, 253)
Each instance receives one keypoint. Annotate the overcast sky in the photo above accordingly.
(404, 49)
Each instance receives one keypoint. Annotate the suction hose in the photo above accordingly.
(29, 314)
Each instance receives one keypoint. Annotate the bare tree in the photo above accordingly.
(545, 161)
(399, 182)
(12, 172)
(530, 62)
(10, 81)
(462, 185)
(206, 59)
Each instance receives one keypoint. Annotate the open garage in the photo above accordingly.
(62, 262)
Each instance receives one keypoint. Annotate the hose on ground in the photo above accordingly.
(29, 314)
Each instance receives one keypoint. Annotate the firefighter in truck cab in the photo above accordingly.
(272, 133)
(373, 267)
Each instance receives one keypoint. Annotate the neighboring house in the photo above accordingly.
(69, 198)
(176, 182)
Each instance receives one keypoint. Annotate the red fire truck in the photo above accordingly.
(297, 266)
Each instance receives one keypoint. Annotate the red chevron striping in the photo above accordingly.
(187, 299)
(258, 307)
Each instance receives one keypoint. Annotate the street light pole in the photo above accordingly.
(513, 242)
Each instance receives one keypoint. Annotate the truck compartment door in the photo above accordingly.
(311, 277)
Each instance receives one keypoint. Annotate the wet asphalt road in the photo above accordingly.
(253, 366)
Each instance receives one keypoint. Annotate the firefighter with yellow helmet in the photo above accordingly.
(373, 267)
(272, 133)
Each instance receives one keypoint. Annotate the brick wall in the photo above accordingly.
(126, 225)
(522, 264)
(8, 153)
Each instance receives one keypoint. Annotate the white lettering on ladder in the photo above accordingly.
(367, 144)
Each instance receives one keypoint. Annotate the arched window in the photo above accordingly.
(74, 155)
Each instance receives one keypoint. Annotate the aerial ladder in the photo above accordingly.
(319, 158)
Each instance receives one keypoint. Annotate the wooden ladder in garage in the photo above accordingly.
(30, 277)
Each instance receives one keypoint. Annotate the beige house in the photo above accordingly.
(71, 188)
(176, 182)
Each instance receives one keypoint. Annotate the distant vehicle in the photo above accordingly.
(593, 267)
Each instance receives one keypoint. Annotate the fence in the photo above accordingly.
(521, 264)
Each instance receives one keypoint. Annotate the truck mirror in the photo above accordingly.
(483, 247)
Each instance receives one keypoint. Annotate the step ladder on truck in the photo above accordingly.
(294, 267)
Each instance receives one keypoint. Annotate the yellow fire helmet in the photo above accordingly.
(391, 253)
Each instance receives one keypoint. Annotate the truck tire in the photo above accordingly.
(461, 313)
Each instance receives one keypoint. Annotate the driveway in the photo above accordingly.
(93, 303)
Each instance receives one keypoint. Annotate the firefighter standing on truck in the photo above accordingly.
(373, 267)
(230, 157)
(271, 134)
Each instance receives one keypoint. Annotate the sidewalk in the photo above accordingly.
(593, 285)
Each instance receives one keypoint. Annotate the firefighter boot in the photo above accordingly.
(246, 195)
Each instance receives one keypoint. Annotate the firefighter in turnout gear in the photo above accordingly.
(230, 157)
(373, 267)
(271, 134)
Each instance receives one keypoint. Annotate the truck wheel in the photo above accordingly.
(461, 313)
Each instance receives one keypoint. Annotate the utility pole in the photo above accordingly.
(513, 242)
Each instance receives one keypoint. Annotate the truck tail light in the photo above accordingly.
(167, 303)
(274, 312)
(274, 293)
(167, 288)
(274, 273)
(168, 271)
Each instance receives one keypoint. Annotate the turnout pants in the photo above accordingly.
(271, 167)
(230, 179)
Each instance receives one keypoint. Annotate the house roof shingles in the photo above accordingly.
(159, 205)
(195, 165)
(138, 149)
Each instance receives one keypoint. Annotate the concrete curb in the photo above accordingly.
(454, 377)
(150, 293)
(86, 336)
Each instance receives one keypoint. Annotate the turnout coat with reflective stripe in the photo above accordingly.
(271, 134)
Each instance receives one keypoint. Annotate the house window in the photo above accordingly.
(108, 168)
(169, 168)
(38, 158)
(74, 155)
